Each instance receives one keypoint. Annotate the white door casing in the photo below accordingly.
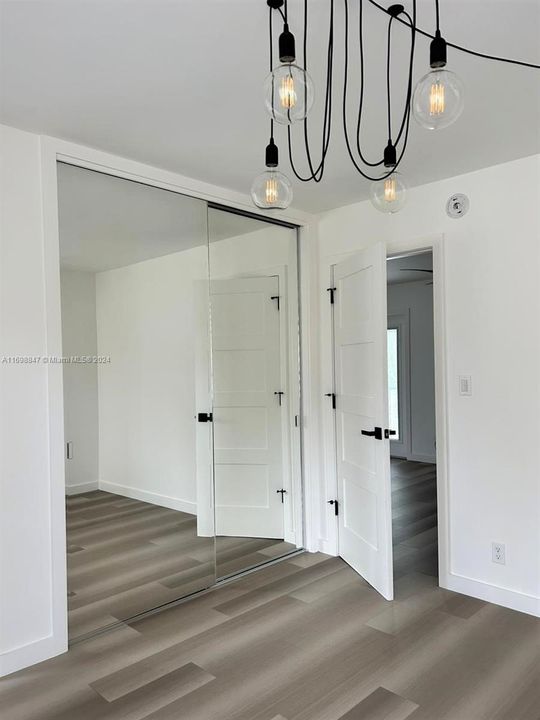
(248, 456)
(363, 465)
(401, 447)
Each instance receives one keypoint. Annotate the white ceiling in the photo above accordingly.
(106, 222)
(406, 269)
(178, 85)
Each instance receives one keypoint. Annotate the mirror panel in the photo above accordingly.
(135, 298)
(256, 390)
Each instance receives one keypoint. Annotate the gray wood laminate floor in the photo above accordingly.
(304, 639)
(126, 557)
(414, 517)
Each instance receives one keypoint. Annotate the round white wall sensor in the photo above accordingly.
(457, 205)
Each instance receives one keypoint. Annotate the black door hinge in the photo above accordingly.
(377, 433)
(205, 417)
(283, 492)
(336, 506)
(333, 396)
(275, 297)
(332, 291)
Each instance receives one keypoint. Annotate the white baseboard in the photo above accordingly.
(149, 497)
(325, 546)
(26, 655)
(512, 599)
(290, 537)
(82, 488)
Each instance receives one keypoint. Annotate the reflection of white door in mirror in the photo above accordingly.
(248, 407)
(203, 405)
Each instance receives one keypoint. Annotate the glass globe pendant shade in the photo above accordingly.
(438, 99)
(288, 92)
(389, 194)
(272, 190)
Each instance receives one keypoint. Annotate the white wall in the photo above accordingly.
(415, 301)
(33, 625)
(147, 401)
(30, 502)
(492, 302)
(79, 338)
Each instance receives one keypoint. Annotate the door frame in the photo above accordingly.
(52, 151)
(401, 323)
(329, 541)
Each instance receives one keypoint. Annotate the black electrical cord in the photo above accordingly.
(316, 174)
(411, 71)
(271, 67)
(362, 85)
(328, 98)
(388, 97)
(522, 63)
(406, 120)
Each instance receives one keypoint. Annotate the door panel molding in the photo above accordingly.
(363, 462)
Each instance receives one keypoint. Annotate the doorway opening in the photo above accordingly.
(411, 413)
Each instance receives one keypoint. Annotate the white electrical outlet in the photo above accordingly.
(498, 553)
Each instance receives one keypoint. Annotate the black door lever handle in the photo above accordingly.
(387, 433)
(376, 433)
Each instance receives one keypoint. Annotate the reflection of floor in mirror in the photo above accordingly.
(126, 556)
(234, 554)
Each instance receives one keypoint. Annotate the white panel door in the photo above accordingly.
(363, 462)
(247, 410)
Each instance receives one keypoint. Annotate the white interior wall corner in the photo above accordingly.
(492, 334)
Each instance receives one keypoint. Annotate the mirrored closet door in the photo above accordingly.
(180, 328)
(135, 297)
(256, 390)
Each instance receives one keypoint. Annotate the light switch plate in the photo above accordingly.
(465, 385)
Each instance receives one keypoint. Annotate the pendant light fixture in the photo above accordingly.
(438, 98)
(272, 190)
(288, 89)
(389, 194)
(436, 102)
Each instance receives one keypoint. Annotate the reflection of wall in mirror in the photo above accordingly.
(152, 322)
(79, 338)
